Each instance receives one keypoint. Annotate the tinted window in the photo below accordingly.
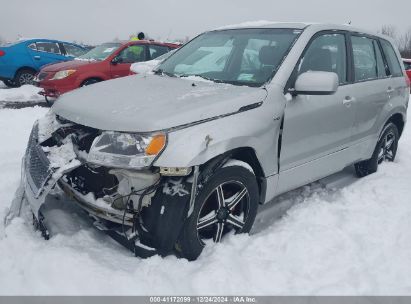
(157, 50)
(32, 46)
(381, 68)
(326, 53)
(392, 59)
(131, 54)
(365, 61)
(48, 47)
(407, 65)
(72, 50)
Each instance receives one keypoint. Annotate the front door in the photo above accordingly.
(317, 129)
(126, 57)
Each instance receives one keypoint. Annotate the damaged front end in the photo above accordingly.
(139, 205)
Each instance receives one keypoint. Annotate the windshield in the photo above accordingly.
(241, 56)
(101, 52)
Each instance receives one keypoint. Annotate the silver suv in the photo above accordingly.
(171, 160)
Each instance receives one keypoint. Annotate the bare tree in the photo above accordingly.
(389, 30)
(403, 41)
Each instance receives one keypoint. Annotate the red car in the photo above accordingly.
(104, 62)
(407, 65)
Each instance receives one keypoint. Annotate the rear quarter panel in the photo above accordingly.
(16, 57)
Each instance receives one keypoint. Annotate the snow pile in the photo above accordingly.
(23, 94)
(347, 240)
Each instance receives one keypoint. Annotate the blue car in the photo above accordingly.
(20, 61)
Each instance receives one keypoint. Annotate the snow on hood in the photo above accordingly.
(145, 67)
(66, 65)
(146, 103)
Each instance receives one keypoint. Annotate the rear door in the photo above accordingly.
(372, 89)
(120, 65)
(317, 126)
(45, 52)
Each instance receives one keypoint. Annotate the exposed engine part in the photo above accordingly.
(132, 183)
(175, 171)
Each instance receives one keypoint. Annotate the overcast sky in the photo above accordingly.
(96, 21)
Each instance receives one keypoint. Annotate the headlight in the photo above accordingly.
(125, 150)
(62, 74)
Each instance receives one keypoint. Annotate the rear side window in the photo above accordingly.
(157, 50)
(382, 69)
(72, 50)
(48, 47)
(365, 58)
(326, 53)
(133, 53)
(392, 59)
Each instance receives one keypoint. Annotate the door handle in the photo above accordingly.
(37, 57)
(390, 90)
(348, 100)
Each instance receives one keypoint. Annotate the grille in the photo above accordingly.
(37, 164)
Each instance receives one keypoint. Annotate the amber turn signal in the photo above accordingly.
(156, 144)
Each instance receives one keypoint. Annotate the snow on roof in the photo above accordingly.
(267, 24)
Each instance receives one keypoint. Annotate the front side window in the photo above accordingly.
(132, 54)
(240, 57)
(392, 59)
(72, 50)
(326, 53)
(48, 47)
(101, 52)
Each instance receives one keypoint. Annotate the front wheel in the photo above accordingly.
(10, 83)
(385, 150)
(227, 202)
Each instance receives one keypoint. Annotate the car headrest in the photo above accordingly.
(318, 60)
(268, 56)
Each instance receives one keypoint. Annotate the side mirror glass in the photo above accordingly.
(116, 60)
(316, 83)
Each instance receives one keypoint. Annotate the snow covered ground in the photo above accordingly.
(354, 239)
(24, 94)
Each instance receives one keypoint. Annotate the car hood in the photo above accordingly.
(66, 65)
(147, 103)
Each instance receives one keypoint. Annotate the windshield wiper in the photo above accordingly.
(198, 75)
(162, 72)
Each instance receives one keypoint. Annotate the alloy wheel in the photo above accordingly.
(225, 209)
(386, 148)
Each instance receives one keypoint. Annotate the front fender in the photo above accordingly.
(256, 128)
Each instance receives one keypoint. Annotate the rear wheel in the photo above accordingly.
(23, 77)
(10, 83)
(226, 203)
(385, 150)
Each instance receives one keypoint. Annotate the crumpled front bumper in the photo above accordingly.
(38, 175)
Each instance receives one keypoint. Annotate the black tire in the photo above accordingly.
(9, 83)
(49, 100)
(24, 76)
(90, 82)
(385, 150)
(233, 180)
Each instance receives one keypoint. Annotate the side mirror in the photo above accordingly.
(116, 60)
(316, 83)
